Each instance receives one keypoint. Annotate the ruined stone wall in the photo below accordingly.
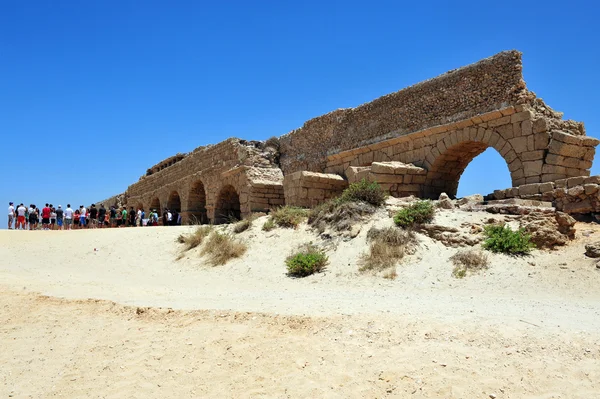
(575, 195)
(488, 85)
(213, 183)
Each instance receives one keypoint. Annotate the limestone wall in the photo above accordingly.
(576, 195)
(214, 183)
(527, 140)
(488, 85)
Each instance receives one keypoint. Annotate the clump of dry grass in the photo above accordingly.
(388, 246)
(194, 239)
(288, 216)
(468, 260)
(222, 247)
(242, 225)
(339, 215)
(268, 225)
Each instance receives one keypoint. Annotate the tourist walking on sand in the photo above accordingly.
(69, 217)
(82, 216)
(11, 215)
(93, 216)
(138, 217)
(101, 215)
(46, 211)
(113, 216)
(124, 217)
(21, 211)
(132, 217)
(32, 217)
(52, 217)
(59, 217)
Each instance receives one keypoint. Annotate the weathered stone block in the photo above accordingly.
(592, 180)
(532, 155)
(532, 168)
(529, 189)
(545, 187)
(521, 116)
(540, 125)
(499, 121)
(590, 189)
(575, 181)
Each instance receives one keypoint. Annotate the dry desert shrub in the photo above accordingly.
(222, 247)
(338, 215)
(243, 225)
(288, 216)
(194, 239)
(388, 246)
(468, 261)
(268, 225)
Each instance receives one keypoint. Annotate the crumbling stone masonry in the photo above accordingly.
(417, 141)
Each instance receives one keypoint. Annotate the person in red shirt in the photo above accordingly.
(46, 217)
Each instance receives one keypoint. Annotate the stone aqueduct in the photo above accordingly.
(416, 141)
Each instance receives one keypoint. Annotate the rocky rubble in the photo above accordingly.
(548, 230)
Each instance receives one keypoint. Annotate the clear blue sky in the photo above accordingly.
(94, 93)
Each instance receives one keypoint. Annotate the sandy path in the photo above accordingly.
(63, 348)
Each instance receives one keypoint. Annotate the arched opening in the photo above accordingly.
(228, 206)
(197, 204)
(445, 172)
(486, 173)
(174, 202)
(155, 205)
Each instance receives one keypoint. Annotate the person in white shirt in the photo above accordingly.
(21, 217)
(68, 217)
(82, 218)
(138, 218)
(11, 215)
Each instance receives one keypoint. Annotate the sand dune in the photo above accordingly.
(161, 327)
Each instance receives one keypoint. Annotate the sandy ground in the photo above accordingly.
(525, 328)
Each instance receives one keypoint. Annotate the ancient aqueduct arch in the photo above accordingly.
(417, 141)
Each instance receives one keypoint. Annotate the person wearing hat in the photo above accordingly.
(11, 215)
(59, 217)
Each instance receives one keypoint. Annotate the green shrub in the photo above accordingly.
(417, 213)
(365, 191)
(268, 225)
(307, 260)
(289, 216)
(502, 239)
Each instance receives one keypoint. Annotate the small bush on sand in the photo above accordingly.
(502, 239)
(242, 225)
(365, 191)
(338, 215)
(417, 213)
(289, 216)
(222, 247)
(196, 238)
(307, 260)
(468, 260)
(268, 225)
(388, 246)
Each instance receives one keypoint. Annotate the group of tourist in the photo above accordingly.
(51, 218)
